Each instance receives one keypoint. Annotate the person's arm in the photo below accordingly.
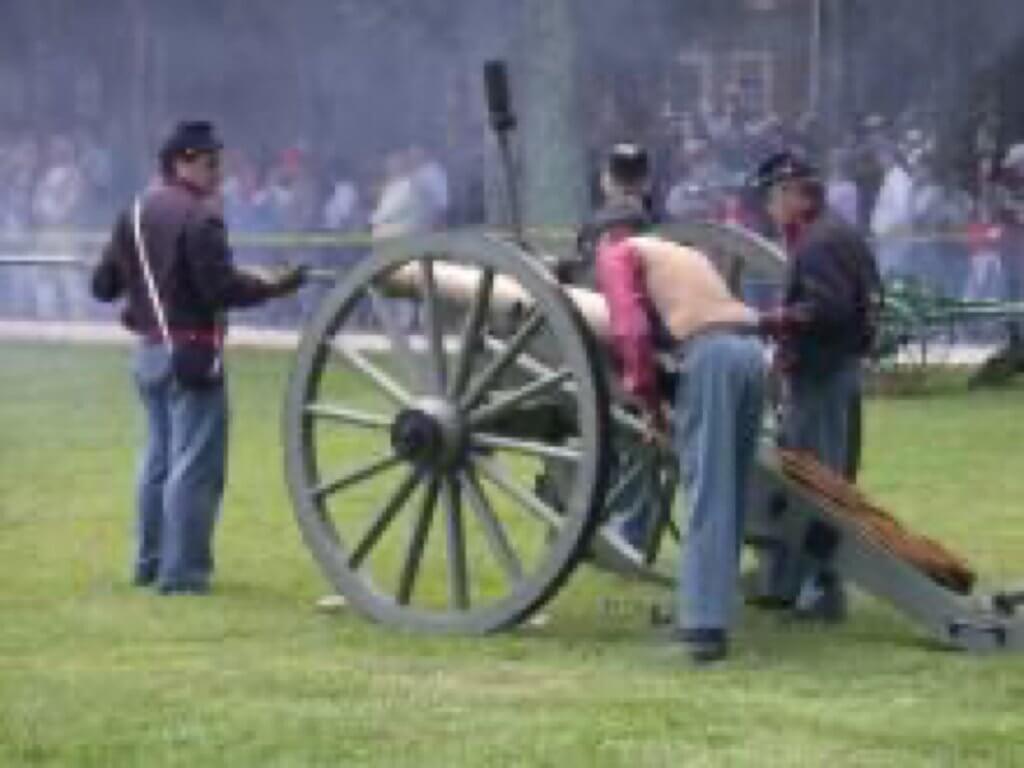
(220, 284)
(620, 278)
(107, 283)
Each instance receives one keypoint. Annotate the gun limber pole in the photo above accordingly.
(502, 122)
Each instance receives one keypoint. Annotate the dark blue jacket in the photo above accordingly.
(189, 257)
(835, 285)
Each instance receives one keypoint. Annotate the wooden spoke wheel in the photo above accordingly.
(429, 390)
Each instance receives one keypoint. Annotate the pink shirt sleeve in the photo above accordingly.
(620, 279)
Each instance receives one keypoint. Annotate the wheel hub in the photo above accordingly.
(430, 433)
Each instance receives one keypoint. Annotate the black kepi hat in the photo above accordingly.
(190, 137)
(783, 166)
(628, 163)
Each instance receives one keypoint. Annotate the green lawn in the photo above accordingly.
(94, 672)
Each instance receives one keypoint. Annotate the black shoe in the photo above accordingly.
(704, 645)
(183, 589)
(144, 577)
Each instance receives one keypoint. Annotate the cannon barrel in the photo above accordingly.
(509, 301)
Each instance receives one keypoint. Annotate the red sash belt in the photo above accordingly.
(214, 338)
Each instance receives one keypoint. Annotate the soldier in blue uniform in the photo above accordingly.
(826, 325)
(169, 260)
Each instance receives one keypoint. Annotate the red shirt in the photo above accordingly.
(619, 272)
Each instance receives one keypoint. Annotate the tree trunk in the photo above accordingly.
(554, 179)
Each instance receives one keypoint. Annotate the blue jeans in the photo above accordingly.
(181, 476)
(816, 420)
(816, 415)
(718, 410)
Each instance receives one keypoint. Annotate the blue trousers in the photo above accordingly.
(718, 411)
(180, 478)
(816, 415)
(816, 420)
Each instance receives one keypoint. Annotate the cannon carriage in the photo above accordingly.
(451, 475)
(494, 433)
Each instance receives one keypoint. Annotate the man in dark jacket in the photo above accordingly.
(824, 327)
(176, 288)
(625, 186)
(625, 181)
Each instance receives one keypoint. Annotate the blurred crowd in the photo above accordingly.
(933, 221)
(930, 222)
(57, 182)
(65, 186)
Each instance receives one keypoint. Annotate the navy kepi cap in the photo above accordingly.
(628, 162)
(783, 166)
(191, 137)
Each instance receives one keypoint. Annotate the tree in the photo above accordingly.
(554, 157)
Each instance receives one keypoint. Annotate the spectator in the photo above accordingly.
(985, 281)
(867, 168)
(56, 206)
(248, 210)
(403, 209)
(841, 192)
(97, 166)
(938, 214)
(246, 202)
(292, 191)
(1011, 216)
(702, 183)
(891, 218)
(18, 165)
(342, 211)
(59, 194)
(292, 195)
(432, 180)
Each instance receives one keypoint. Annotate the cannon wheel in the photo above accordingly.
(411, 431)
(739, 254)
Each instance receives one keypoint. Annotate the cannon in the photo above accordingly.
(450, 476)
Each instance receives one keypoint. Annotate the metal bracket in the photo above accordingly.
(1007, 603)
(967, 632)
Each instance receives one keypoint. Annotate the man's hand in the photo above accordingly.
(290, 280)
(780, 322)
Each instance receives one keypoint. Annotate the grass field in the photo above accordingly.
(94, 672)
